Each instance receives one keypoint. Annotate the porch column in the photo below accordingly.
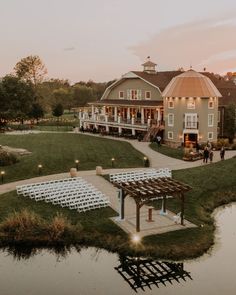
(107, 128)
(149, 121)
(80, 114)
(106, 118)
(158, 115)
(128, 113)
(92, 112)
(119, 119)
(103, 110)
(115, 114)
(133, 131)
(119, 130)
(142, 115)
(132, 120)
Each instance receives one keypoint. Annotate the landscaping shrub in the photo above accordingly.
(23, 224)
(60, 228)
(7, 158)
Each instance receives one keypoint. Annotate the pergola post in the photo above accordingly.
(182, 209)
(137, 216)
(122, 204)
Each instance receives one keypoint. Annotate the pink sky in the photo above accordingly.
(103, 39)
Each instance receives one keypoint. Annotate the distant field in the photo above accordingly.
(58, 151)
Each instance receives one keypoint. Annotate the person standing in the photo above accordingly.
(222, 153)
(205, 155)
(211, 156)
(159, 140)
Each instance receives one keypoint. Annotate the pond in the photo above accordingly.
(91, 271)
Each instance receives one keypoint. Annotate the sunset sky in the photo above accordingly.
(103, 39)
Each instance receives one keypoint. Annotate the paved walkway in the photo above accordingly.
(156, 159)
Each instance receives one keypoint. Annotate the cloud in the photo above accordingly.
(206, 43)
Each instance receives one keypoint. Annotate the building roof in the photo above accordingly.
(126, 102)
(191, 84)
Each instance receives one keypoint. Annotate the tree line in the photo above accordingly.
(27, 94)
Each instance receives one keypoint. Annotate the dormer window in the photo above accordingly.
(121, 94)
(134, 94)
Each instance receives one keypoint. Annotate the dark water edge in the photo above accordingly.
(83, 271)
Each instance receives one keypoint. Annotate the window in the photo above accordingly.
(191, 105)
(147, 94)
(210, 136)
(210, 104)
(134, 94)
(170, 104)
(170, 135)
(170, 119)
(191, 121)
(121, 94)
(210, 120)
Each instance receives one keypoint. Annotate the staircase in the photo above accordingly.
(152, 132)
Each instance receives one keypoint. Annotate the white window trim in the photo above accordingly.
(213, 105)
(210, 137)
(211, 125)
(146, 94)
(120, 95)
(192, 115)
(170, 101)
(170, 135)
(138, 91)
(171, 124)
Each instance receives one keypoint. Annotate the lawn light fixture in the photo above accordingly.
(2, 175)
(77, 164)
(136, 239)
(40, 166)
(112, 162)
(145, 161)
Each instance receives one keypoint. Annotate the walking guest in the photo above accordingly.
(205, 155)
(222, 153)
(211, 156)
(159, 140)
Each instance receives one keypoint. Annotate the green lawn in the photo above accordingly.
(168, 151)
(53, 128)
(58, 151)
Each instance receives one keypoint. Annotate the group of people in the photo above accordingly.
(208, 153)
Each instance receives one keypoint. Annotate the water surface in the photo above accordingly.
(91, 271)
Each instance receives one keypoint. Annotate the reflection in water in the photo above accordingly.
(24, 253)
(142, 272)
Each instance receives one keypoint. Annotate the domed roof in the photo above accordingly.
(191, 84)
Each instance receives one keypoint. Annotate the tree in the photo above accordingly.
(230, 121)
(16, 98)
(36, 112)
(82, 94)
(64, 96)
(32, 69)
(58, 111)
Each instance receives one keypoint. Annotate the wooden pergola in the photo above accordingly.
(144, 191)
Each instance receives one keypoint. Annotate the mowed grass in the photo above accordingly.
(168, 151)
(212, 186)
(57, 153)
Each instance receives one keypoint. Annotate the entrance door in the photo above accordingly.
(190, 140)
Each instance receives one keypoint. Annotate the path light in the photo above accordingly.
(40, 166)
(136, 239)
(112, 162)
(145, 161)
(77, 164)
(2, 175)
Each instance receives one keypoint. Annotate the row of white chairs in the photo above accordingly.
(74, 193)
(140, 175)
